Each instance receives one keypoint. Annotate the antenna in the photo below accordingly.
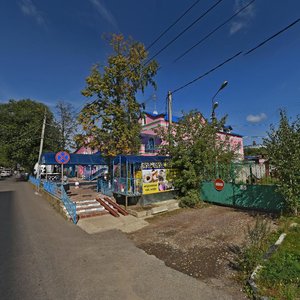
(154, 100)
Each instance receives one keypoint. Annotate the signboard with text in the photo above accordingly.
(157, 177)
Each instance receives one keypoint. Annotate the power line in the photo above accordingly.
(236, 55)
(273, 36)
(213, 31)
(182, 32)
(208, 72)
(172, 25)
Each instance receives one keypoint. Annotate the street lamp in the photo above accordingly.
(214, 104)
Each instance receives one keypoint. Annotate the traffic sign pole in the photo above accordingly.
(62, 174)
(62, 158)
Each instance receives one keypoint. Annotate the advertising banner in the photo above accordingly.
(157, 177)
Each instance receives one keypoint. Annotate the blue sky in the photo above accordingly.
(48, 48)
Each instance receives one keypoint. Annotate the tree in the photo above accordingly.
(262, 151)
(67, 124)
(20, 132)
(283, 148)
(196, 150)
(110, 121)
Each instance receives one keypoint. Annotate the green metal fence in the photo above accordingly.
(249, 186)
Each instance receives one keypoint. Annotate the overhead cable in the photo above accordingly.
(183, 31)
(208, 72)
(213, 31)
(273, 36)
(172, 25)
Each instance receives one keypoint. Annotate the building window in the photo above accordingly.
(151, 145)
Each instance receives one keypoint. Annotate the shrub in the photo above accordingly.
(191, 199)
(255, 246)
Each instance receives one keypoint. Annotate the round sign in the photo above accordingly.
(62, 157)
(219, 184)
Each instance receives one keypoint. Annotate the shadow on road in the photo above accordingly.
(6, 239)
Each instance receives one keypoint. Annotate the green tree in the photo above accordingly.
(255, 151)
(196, 150)
(20, 132)
(67, 124)
(110, 121)
(283, 148)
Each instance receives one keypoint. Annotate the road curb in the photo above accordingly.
(266, 256)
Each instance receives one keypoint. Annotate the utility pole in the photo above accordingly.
(38, 175)
(170, 107)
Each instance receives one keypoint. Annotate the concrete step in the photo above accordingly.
(89, 205)
(90, 210)
(86, 201)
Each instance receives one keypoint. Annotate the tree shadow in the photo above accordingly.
(7, 232)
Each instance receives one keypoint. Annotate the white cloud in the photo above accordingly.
(29, 9)
(256, 118)
(236, 26)
(104, 12)
(244, 17)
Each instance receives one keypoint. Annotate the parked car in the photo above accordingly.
(5, 173)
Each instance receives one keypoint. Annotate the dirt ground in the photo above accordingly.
(199, 242)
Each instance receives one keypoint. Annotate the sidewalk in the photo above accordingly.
(108, 222)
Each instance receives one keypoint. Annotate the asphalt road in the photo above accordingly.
(43, 256)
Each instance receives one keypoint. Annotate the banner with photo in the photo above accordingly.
(157, 178)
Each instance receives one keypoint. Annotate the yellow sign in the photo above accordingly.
(150, 188)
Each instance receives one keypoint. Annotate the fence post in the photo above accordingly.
(232, 175)
(251, 175)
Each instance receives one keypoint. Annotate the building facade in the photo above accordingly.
(150, 142)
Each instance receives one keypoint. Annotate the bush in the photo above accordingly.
(256, 244)
(191, 199)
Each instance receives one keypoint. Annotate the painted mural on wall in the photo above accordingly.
(157, 177)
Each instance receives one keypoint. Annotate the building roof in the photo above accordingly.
(163, 115)
(230, 133)
(140, 159)
(176, 119)
(48, 158)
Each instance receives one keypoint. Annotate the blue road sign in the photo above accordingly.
(62, 157)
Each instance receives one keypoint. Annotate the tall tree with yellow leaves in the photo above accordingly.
(111, 119)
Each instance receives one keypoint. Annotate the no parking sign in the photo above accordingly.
(62, 157)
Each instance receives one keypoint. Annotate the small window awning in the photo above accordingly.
(139, 159)
(75, 159)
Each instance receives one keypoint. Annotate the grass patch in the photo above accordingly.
(279, 279)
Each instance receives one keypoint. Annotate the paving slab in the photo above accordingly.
(103, 223)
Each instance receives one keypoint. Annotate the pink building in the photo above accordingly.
(83, 170)
(150, 142)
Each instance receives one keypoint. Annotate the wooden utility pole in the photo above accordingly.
(38, 175)
(170, 107)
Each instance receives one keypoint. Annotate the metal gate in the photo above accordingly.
(247, 185)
